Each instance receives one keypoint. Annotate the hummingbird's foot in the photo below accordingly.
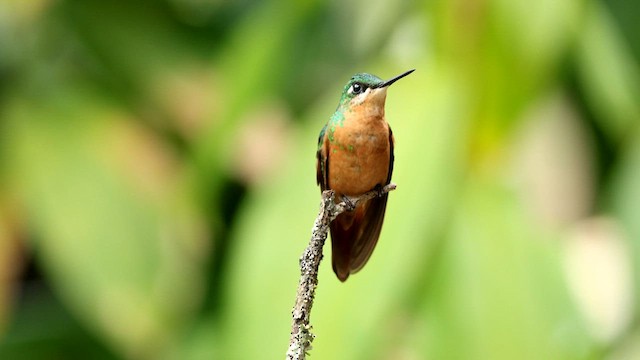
(380, 190)
(349, 204)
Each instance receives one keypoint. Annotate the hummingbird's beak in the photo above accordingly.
(391, 81)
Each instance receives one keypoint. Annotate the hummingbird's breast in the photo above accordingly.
(359, 153)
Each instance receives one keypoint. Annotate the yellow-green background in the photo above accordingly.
(157, 178)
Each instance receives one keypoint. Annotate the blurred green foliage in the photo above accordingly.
(157, 178)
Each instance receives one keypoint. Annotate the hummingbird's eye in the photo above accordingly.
(357, 88)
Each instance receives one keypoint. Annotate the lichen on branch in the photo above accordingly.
(301, 335)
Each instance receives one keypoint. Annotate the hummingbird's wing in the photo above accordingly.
(322, 162)
(355, 234)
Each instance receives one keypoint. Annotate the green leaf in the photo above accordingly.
(113, 224)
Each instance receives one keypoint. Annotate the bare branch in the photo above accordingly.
(301, 336)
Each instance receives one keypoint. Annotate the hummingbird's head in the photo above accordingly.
(367, 89)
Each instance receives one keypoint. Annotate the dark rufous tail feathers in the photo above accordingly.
(354, 236)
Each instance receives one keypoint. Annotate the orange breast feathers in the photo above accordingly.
(359, 153)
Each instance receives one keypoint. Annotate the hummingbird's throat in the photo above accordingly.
(369, 106)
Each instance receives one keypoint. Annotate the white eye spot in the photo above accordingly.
(359, 99)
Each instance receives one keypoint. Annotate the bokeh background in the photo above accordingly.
(157, 178)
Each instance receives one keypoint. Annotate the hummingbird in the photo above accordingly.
(355, 156)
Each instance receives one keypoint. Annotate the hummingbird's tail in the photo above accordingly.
(354, 236)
